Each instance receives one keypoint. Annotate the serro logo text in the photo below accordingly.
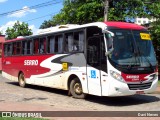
(31, 62)
(132, 76)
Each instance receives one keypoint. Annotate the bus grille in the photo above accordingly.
(140, 86)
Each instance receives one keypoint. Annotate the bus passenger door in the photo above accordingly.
(96, 61)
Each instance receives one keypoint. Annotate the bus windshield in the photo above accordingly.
(132, 48)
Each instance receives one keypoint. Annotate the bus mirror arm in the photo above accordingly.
(108, 52)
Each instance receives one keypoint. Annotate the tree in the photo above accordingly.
(19, 29)
(85, 11)
(46, 24)
(77, 12)
(122, 9)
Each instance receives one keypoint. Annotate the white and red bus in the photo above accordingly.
(101, 58)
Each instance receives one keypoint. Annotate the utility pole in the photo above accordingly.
(106, 6)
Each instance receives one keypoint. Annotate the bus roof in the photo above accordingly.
(102, 25)
(15, 39)
(124, 25)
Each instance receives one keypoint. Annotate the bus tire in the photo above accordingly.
(21, 80)
(76, 89)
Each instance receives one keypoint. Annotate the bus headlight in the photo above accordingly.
(116, 76)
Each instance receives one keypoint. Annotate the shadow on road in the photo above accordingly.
(109, 101)
(41, 88)
(124, 100)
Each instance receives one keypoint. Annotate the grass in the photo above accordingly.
(159, 82)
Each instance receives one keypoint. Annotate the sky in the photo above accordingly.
(33, 12)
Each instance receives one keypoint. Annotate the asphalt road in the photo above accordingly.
(37, 98)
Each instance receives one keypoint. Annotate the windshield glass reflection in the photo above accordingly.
(131, 48)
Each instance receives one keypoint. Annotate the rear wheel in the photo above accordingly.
(76, 89)
(21, 80)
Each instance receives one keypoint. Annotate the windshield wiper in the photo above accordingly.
(151, 66)
(135, 54)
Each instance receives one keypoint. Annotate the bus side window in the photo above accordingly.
(19, 48)
(68, 42)
(51, 44)
(42, 45)
(59, 44)
(36, 46)
(24, 47)
(74, 42)
(9, 50)
(56, 44)
(14, 52)
(16, 48)
(81, 41)
(5, 49)
(27, 47)
(78, 43)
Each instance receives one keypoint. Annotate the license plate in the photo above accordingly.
(139, 92)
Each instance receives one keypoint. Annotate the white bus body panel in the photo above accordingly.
(94, 81)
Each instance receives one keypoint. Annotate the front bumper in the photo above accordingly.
(118, 88)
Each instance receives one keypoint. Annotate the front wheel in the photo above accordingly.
(76, 89)
(21, 80)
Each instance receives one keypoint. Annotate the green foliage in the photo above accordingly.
(155, 26)
(19, 29)
(77, 12)
(46, 24)
(122, 9)
(155, 32)
(85, 11)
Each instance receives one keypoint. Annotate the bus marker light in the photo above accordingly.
(83, 73)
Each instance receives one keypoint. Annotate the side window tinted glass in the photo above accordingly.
(27, 47)
(42, 45)
(8, 49)
(68, 42)
(36, 46)
(74, 42)
(51, 44)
